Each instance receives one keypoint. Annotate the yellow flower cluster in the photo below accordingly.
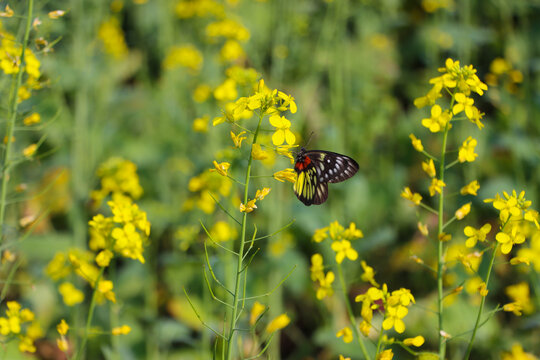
(118, 176)
(187, 56)
(199, 8)
(111, 35)
(394, 307)
(20, 324)
(341, 239)
(124, 233)
(10, 62)
(205, 188)
(515, 217)
(501, 72)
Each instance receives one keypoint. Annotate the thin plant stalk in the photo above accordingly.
(440, 243)
(440, 251)
(350, 312)
(239, 264)
(84, 340)
(12, 117)
(482, 303)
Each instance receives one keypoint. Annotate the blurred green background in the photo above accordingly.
(117, 88)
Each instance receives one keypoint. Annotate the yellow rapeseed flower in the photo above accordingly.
(429, 167)
(325, 285)
(317, 267)
(200, 124)
(32, 119)
(416, 143)
(62, 327)
(202, 93)
(221, 168)
(261, 194)
(187, 56)
(256, 311)
(70, 294)
(257, 153)
(346, 332)
(415, 341)
(30, 150)
(278, 323)
(283, 132)
(466, 151)
(474, 235)
(517, 353)
(415, 198)
(470, 189)
(237, 139)
(436, 186)
(344, 250)
(286, 175)
(249, 207)
(463, 211)
(438, 120)
(121, 330)
(111, 35)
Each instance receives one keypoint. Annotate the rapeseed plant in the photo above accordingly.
(267, 104)
(514, 213)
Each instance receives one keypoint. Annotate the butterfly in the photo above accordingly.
(315, 169)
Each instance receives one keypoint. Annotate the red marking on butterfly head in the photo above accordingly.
(301, 164)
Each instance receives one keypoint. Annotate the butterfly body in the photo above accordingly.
(315, 169)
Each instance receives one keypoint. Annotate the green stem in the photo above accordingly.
(239, 264)
(80, 351)
(476, 325)
(440, 250)
(350, 313)
(12, 116)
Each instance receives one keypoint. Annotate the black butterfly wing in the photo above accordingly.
(308, 188)
(332, 167)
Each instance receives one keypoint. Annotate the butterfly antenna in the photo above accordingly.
(309, 139)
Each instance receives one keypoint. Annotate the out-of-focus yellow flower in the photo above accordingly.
(325, 285)
(521, 294)
(222, 231)
(8, 12)
(121, 330)
(386, 355)
(369, 274)
(466, 151)
(187, 56)
(221, 168)
(249, 206)
(228, 29)
(30, 150)
(56, 14)
(415, 198)
(474, 235)
(416, 143)
(202, 93)
(62, 327)
(70, 294)
(470, 189)
(436, 186)
(278, 323)
(286, 175)
(201, 124)
(261, 194)
(237, 139)
(232, 51)
(429, 167)
(226, 91)
(32, 119)
(463, 211)
(517, 353)
(346, 332)
(317, 268)
(111, 35)
(415, 341)
(257, 153)
(344, 250)
(256, 311)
